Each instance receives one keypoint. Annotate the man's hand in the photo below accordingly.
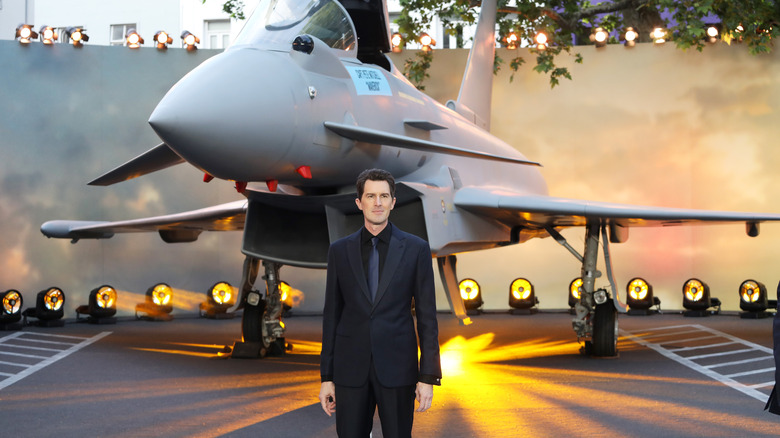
(328, 397)
(424, 395)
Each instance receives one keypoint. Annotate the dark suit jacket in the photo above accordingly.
(355, 330)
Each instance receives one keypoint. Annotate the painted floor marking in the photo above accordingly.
(728, 351)
(19, 340)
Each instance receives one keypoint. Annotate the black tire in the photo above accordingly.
(605, 327)
(252, 323)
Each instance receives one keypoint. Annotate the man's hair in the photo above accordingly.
(374, 175)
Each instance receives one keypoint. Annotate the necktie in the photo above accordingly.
(373, 268)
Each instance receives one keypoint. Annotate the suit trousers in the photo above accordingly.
(355, 407)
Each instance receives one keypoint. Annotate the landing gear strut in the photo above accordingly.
(262, 329)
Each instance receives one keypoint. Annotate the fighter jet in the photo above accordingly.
(325, 103)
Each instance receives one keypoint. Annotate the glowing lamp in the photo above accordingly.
(541, 41)
(697, 299)
(599, 37)
(190, 40)
(630, 37)
(48, 308)
(427, 42)
(396, 40)
(712, 33)
(575, 292)
(25, 33)
(158, 304)
(162, 39)
(658, 35)
(753, 300)
(77, 36)
(219, 299)
(512, 41)
(639, 297)
(48, 35)
(11, 310)
(133, 39)
(522, 298)
(287, 297)
(102, 306)
(471, 294)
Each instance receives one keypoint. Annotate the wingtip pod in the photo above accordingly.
(60, 229)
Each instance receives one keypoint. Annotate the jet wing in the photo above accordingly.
(539, 212)
(179, 227)
(158, 158)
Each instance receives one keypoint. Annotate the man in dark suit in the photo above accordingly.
(369, 345)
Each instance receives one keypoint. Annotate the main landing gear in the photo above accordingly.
(595, 321)
(262, 329)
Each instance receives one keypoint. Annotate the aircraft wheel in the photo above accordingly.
(252, 326)
(605, 331)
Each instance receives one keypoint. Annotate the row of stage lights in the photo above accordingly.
(697, 301)
(25, 34)
(598, 36)
(157, 306)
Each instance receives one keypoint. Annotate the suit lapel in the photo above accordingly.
(356, 262)
(395, 254)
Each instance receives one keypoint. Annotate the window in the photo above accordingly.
(118, 32)
(218, 34)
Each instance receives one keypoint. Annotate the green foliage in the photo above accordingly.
(234, 8)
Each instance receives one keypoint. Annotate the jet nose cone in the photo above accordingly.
(234, 116)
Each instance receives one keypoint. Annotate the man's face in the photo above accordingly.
(376, 202)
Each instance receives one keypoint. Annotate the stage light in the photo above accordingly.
(541, 41)
(48, 308)
(11, 311)
(640, 297)
(77, 35)
(190, 40)
(287, 297)
(630, 37)
(158, 304)
(471, 294)
(697, 299)
(48, 35)
(753, 300)
(219, 299)
(575, 292)
(712, 33)
(25, 33)
(427, 42)
(512, 41)
(396, 40)
(102, 306)
(522, 298)
(162, 39)
(133, 39)
(658, 35)
(599, 37)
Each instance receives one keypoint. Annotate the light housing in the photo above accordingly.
(658, 35)
(599, 37)
(11, 303)
(133, 39)
(753, 299)
(639, 297)
(49, 308)
(512, 41)
(102, 306)
(48, 35)
(25, 33)
(522, 298)
(158, 304)
(575, 292)
(219, 298)
(427, 42)
(630, 36)
(712, 33)
(471, 294)
(162, 39)
(77, 36)
(286, 292)
(697, 300)
(189, 40)
(541, 40)
(396, 41)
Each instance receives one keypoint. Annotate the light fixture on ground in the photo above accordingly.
(102, 306)
(162, 39)
(658, 35)
(512, 41)
(639, 297)
(158, 304)
(48, 35)
(753, 300)
(11, 310)
(712, 33)
(427, 42)
(522, 298)
(219, 299)
(25, 33)
(471, 294)
(697, 300)
(77, 36)
(287, 298)
(540, 39)
(599, 37)
(189, 40)
(48, 308)
(575, 292)
(133, 39)
(396, 40)
(630, 37)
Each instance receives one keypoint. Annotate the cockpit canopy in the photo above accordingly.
(275, 23)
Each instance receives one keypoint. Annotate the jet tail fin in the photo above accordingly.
(475, 95)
